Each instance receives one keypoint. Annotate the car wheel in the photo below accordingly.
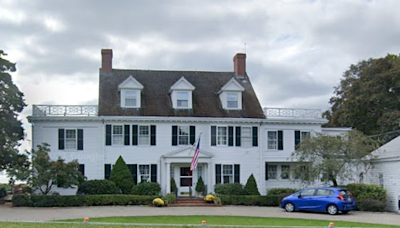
(289, 207)
(332, 209)
(345, 212)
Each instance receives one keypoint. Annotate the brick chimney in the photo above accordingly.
(106, 60)
(239, 65)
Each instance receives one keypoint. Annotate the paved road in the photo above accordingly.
(8, 213)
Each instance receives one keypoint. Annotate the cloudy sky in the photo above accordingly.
(296, 50)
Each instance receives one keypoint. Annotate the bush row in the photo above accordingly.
(102, 187)
(369, 197)
(79, 200)
(247, 200)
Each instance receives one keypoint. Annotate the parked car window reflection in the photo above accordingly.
(308, 192)
(324, 192)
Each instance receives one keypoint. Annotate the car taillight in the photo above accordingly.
(341, 198)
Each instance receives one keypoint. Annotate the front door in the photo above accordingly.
(185, 181)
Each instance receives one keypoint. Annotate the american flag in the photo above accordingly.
(193, 164)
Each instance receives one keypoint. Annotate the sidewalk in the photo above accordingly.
(8, 213)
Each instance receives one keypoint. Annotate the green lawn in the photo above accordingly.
(229, 220)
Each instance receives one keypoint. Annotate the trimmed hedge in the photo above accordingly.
(229, 189)
(254, 200)
(367, 191)
(371, 205)
(281, 191)
(98, 187)
(146, 189)
(80, 200)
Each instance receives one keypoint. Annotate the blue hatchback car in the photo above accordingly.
(322, 199)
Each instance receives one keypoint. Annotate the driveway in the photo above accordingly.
(8, 213)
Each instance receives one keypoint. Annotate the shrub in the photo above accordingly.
(169, 198)
(94, 187)
(367, 191)
(146, 188)
(3, 192)
(158, 202)
(229, 189)
(371, 205)
(121, 176)
(252, 200)
(173, 185)
(200, 185)
(251, 186)
(21, 201)
(56, 201)
(22, 189)
(281, 191)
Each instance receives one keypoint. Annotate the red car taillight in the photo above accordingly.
(341, 197)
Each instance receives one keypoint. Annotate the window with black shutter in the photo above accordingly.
(236, 173)
(107, 171)
(255, 136)
(153, 173)
(238, 133)
(61, 139)
(280, 140)
(108, 135)
(230, 136)
(82, 169)
(266, 171)
(80, 139)
(192, 135)
(153, 135)
(127, 135)
(174, 135)
(134, 135)
(218, 173)
(213, 135)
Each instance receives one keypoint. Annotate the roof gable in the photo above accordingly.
(182, 84)
(188, 152)
(130, 83)
(388, 150)
(232, 85)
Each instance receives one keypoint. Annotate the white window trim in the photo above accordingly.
(277, 172)
(281, 171)
(137, 95)
(139, 180)
(174, 98)
(112, 135)
(179, 135)
(149, 136)
(76, 139)
(241, 136)
(224, 100)
(226, 136)
(276, 140)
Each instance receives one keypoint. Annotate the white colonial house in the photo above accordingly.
(151, 118)
(386, 172)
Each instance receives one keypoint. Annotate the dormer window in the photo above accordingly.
(130, 91)
(181, 94)
(232, 99)
(182, 99)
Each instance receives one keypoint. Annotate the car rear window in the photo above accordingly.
(324, 192)
(346, 194)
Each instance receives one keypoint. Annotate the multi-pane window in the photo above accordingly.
(144, 135)
(222, 135)
(305, 135)
(144, 173)
(70, 139)
(130, 98)
(272, 172)
(232, 99)
(285, 171)
(247, 137)
(272, 140)
(183, 135)
(117, 136)
(227, 174)
(182, 99)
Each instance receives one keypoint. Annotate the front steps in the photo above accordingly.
(192, 202)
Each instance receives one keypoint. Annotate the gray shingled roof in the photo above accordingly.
(156, 100)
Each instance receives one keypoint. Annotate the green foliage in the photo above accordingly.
(251, 186)
(3, 192)
(146, 188)
(79, 200)
(121, 176)
(282, 191)
(169, 198)
(48, 173)
(11, 131)
(96, 187)
(229, 189)
(371, 205)
(22, 189)
(332, 156)
(173, 185)
(367, 98)
(251, 200)
(367, 191)
(200, 185)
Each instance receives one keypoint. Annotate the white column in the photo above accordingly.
(209, 181)
(168, 179)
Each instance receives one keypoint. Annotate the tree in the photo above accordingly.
(368, 98)
(47, 173)
(335, 157)
(251, 186)
(200, 185)
(11, 104)
(121, 176)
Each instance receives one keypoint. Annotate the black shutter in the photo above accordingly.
(61, 139)
(237, 173)
(80, 139)
(192, 135)
(213, 135)
(296, 138)
(280, 140)
(266, 171)
(134, 173)
(107, 171)
(82, 169)
(174, 135)
(238, 136)
(153, 135)
(255, 136)
(134, 135)
(108, 135)
(218, 173)
(127, 135)
(230, 136)
(153, 173)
